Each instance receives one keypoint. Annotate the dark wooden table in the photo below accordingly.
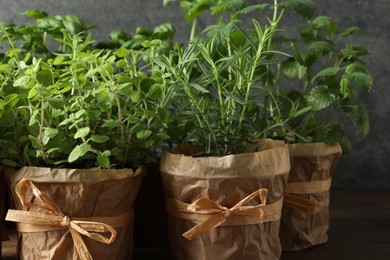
(359, 229)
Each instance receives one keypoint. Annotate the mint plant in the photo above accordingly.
(330, 73)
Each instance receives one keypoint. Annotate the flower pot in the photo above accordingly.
(305, 215)
(226, 207)
(72, 213)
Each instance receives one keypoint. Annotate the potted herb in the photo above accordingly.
(77, 124)
(224, 187)
(330, 73)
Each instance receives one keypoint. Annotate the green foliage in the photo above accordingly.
(225, 97)
(82, 106)
(333, 74)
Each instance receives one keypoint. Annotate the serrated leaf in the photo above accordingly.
(320, 97)
(249, 9)
(327, 72)
(304, 8)
(82, 132)
(99, 138)
(324, 46)
(335, 134)
(359, 80)
(219, 33)
(294, 70)
(359, 116)
(231, 5)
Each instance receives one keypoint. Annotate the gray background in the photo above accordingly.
(367, 168)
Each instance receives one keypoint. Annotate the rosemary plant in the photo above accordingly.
(224, 84)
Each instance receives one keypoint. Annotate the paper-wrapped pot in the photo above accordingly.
(207, 201)
(73, 213)
(305, 215)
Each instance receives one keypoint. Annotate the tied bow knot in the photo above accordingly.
(65, 221)
(220, 214)
(55, 219)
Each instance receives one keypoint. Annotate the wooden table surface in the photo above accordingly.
(359, 229)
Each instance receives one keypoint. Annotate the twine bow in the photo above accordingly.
(220, 214)
(58, 220)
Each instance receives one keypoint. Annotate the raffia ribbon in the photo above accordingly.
(306, 205)
(211, 214)
(29, 221)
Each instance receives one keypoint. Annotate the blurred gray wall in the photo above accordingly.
(368, 167)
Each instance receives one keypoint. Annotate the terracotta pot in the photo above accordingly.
(227, 207)
(67, 213)
(305, 215)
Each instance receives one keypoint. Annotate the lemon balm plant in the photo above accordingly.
(328, 74)
(330, 70)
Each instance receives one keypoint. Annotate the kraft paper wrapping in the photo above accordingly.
(223, 182)
(3, 236)
(309, 181)
(85, 195)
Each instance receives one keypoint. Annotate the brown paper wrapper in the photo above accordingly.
(81, 194)
(312, 166)
(226, 181)
(3, 235)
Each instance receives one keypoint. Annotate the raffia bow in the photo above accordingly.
(211, 214)
(55, 219)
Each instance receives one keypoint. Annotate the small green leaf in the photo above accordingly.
(320, 97)
(37, 14)
(78, 152)
(135, 96)
(45, 77)
(350, 31)
(110, 124)
(346, 145)
(359, 80)
(156, 91)
(50, 132)
(294, 70)
(22, 81)
(99, 138)
(122, 52)
(143, 134)
(327, 72)
(304, 8)
(82, 132)
(104, 160)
